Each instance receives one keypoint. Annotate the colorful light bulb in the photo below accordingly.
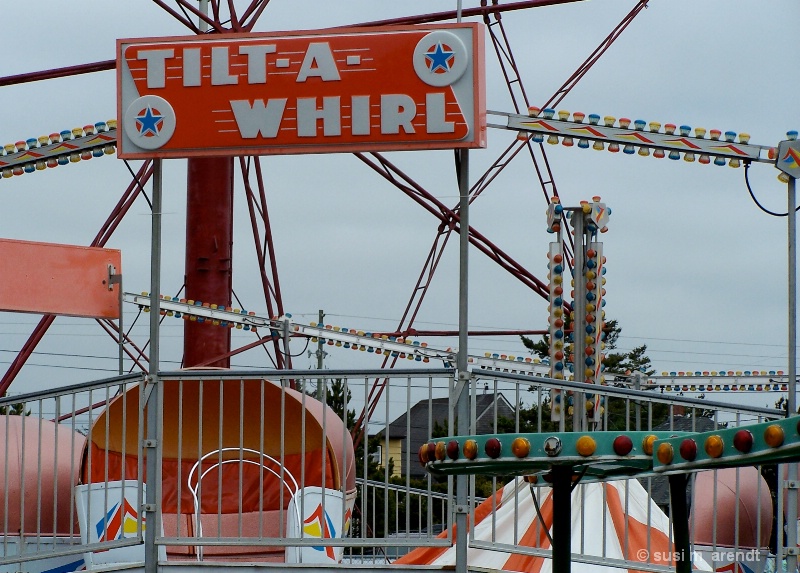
(470, 449)
(622, 445)
(586, 446)
(493, 448)
(665, 453)
(743, 441)
(453, 449)
(774, 436)
(520, 447)
(688, 449)
(714, 446)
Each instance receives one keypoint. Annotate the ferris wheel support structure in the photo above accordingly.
(209, 253)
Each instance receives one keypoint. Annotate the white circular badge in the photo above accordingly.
(149, 122)
(440, 58)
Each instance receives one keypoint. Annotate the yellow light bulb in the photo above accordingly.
(520, 447)
(470, 449)
(586, 446)
(774, 436)
(665, 453)
(714, 446)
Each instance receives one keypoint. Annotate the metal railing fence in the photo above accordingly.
(255, 443)
(52, 443)
(623, 409)
(247, 458)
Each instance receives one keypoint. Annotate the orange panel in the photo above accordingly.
(47, 278)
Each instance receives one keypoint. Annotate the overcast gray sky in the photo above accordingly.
(695, 270)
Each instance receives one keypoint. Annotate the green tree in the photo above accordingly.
(539, 348)
(620, 412)
(17, 409)
(635, 360)
(782, 404)
(336, 398)
(614, 362)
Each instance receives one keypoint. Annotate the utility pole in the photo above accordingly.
(320, 358)
(579, 421)
(786, 160)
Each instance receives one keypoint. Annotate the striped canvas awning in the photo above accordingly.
(610, 521)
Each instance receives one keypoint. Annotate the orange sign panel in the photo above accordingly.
(366, 89)
(47, 278)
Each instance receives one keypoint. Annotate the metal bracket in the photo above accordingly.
(792, 550)
(460, 509)
(462, 380)
(149, 443)
(149, 386)
(791, 484)
(113, 277)
(148, 507)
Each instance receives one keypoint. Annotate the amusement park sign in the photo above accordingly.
(367, 89)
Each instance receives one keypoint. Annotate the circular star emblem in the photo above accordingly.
(149, 122)
(440, 58)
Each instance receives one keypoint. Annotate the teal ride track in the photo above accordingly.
(605, 455)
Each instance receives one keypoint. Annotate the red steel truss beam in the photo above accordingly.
(112, 330)
(184, 18)
(111, 223)
(505, 56)
(562, 92)
(451, 219)
(414, 332)
(252, 13)
(265, 250)
(547, 183)
(483, 10)
(449, 222)
(58, 73)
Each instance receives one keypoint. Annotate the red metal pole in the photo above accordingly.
(58, 73)
(483, 10)
(209, 248)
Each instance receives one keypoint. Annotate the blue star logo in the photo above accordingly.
(440, 58)
(149, 121)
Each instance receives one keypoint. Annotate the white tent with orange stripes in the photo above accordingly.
(612, 523)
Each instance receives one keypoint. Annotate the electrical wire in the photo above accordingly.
(138, 184)
(539, 514)
(296, 355)
(753, 197)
